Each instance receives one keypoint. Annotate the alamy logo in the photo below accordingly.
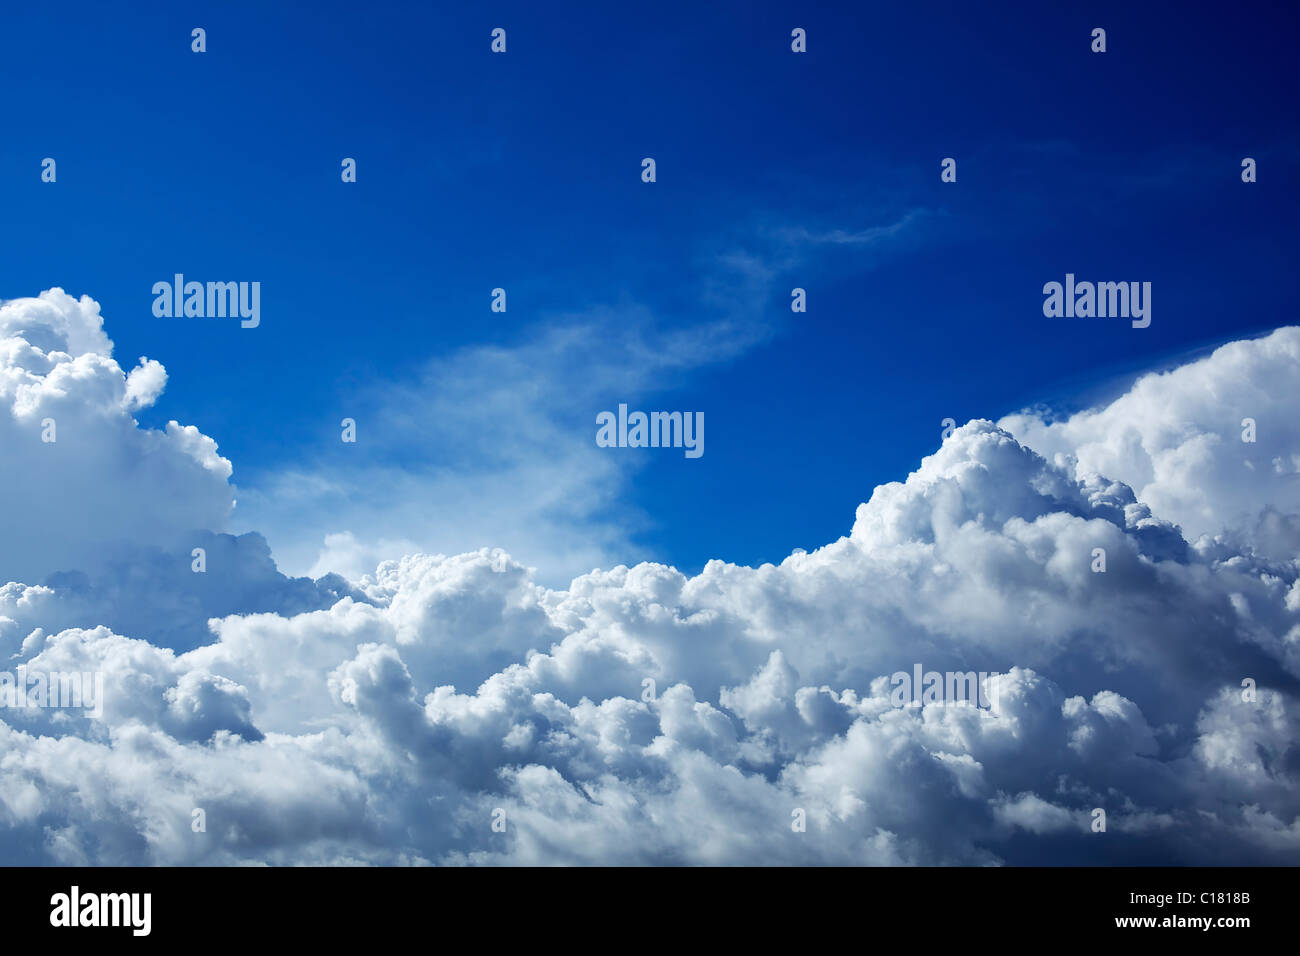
(212, 300)
(103, 909)
(923, 688)
(54, 690)
(1102, 300)
(656, 430)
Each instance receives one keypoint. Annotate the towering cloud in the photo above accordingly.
(81, 478)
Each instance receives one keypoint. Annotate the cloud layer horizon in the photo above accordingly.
(643, 716)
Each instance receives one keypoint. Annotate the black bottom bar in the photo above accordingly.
(853, 906)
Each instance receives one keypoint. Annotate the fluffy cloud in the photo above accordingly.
(103, 481)
(1177, 438)
(106, 516)
(642, 716)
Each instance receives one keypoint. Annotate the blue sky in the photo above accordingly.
(1127, 575)
(522, 171)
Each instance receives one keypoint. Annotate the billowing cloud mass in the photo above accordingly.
(740, 716)
(1213, 446)
(80, 478)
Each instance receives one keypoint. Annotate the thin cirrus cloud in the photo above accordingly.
(494, 444)
(491, 445)
(638, 715)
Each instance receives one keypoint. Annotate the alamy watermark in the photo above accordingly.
(1102, 300)
(75, 908)
(212, 300)
(949, 688)
(55, 690)
(655, 430)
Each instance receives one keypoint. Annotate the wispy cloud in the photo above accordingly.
(869, 235)
(495, 445)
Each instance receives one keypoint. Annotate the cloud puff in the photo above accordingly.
(739, 716)
(101, 481)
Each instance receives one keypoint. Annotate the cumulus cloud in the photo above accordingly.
(155, 594)
(80, 477)
(144, 384)
(1179, 440)
(739, 716)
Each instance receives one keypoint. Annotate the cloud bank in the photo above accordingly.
(640, 716)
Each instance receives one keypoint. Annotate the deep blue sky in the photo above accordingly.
(523, 171)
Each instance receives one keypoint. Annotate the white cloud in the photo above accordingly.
(144, 384)
(103, 481)
(1176, 438)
